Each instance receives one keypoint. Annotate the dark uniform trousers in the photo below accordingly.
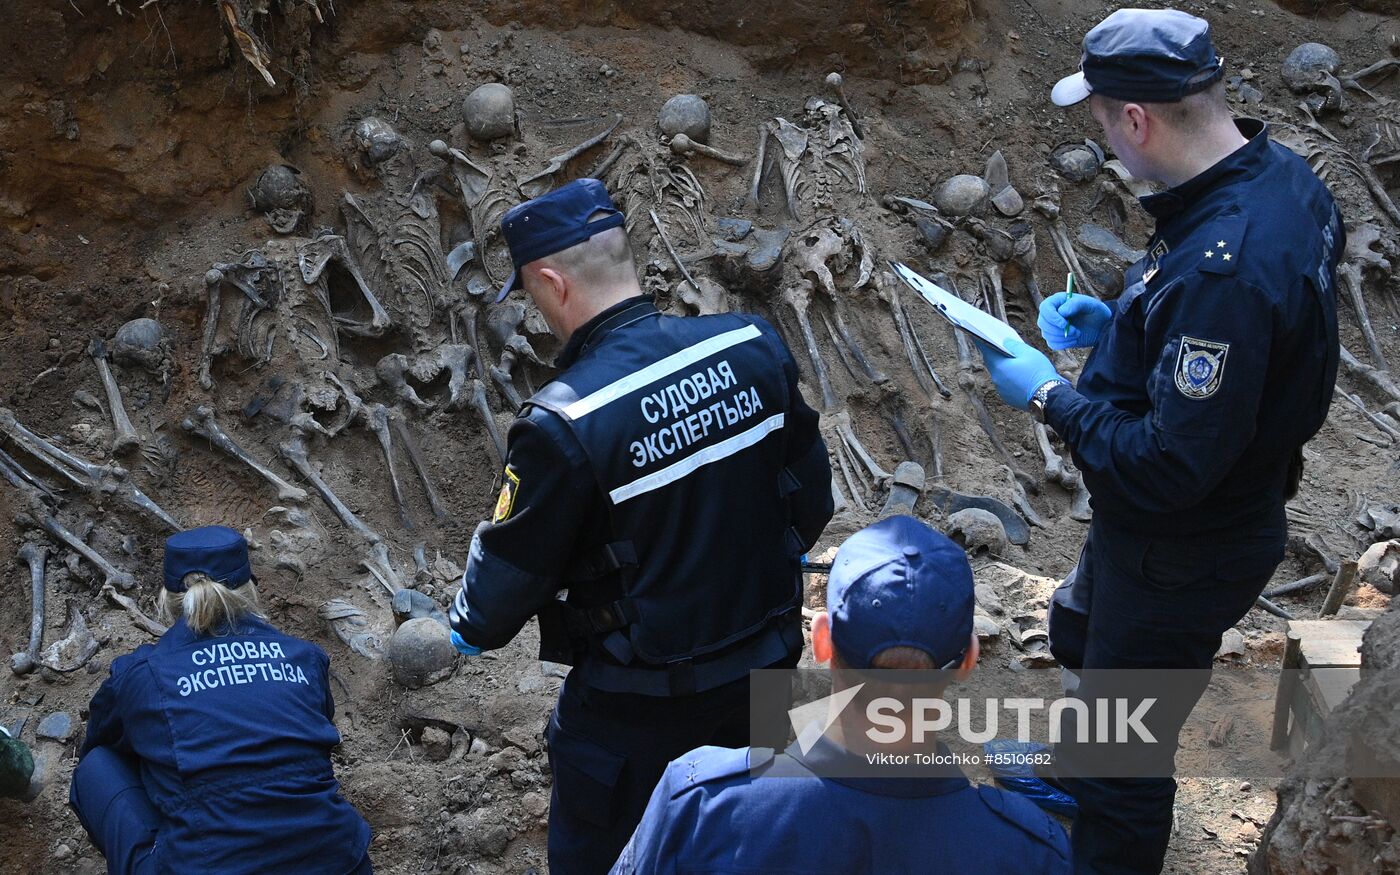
(1135, 602)
(607, 751)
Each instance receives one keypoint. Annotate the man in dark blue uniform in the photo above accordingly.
(1206, 377)
(900, 596)
(670, 479)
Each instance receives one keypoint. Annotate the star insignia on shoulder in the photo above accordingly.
(1209, 254)
(1226, 256)
(1221, 244)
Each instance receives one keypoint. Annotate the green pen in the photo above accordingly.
(1069, 293)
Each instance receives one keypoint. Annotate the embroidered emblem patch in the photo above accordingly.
(1200, 366)
(505, 502)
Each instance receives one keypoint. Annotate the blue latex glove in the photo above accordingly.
(463, 647)
(1018, 375)
(1067, 321)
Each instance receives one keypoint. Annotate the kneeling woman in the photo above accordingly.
(209, 751)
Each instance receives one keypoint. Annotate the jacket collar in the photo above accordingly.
(1244, 163)
(595, 329)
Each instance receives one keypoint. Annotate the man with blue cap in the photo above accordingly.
(209, 751)
(899, 597)
(670, 479)
(1204, 379)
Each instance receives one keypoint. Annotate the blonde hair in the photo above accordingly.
(208, 606)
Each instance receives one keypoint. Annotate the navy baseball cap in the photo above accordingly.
(1149, 55)
(217, 551)
(555, 221)
(899, 583)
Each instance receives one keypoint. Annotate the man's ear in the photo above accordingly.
(969, 662)
(1137, 122)
(555, 282)
(821, 637)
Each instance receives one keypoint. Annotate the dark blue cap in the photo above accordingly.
(1148, 55)
(899, 583)
(555, 221)
(217, 551)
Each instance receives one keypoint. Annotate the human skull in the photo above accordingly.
(376, 141)
(977, 531)
(687, 114)
(279, 195)
(141, 342)
(489, 112)
(421, 653)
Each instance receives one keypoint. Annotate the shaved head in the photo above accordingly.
(601, 262)
(573, 285)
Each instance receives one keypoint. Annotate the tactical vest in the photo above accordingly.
(683, 423)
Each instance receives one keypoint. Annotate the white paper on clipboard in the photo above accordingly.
(957, 311)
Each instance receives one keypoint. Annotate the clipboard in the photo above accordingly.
(979, 323)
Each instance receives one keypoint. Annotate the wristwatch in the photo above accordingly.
(1040, 396)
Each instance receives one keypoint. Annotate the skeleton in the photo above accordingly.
(124, 436)
(381, 568)
(815, 162)
(652, 180)
(485, 200)
(252, 277)
(96, 480)
(1309, 69)
(841, 422)
(924, 373)
(34, 555)
(204, 425)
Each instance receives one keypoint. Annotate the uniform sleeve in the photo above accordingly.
(1214, 334)
(518, 560)
(807, 460)
(105, 727)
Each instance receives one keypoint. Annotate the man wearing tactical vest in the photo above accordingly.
(669, 479)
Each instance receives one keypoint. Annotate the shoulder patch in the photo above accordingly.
(707, 764)
(1221, 247)
(505, 502)
(1022, 814)
(1200, 367)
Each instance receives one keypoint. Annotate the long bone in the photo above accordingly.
(94, 479)
(381, 567)
(488, 419)
(799, 297)
(835, 83)
(1375, 376)
(293, 450)
(888, 290)
(846, 339)
(1349, 273)
(416, 460)
(1057, 470)
(110, 573)
(22, 480)
(315, 255)
(212, 282)
(1023, 255)
(124, 437)
(842, 421)
(34, 555)
(557, 163)
(204, 425)
(138, 617)
(683, 145)
(851, 482)
(377, 421)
